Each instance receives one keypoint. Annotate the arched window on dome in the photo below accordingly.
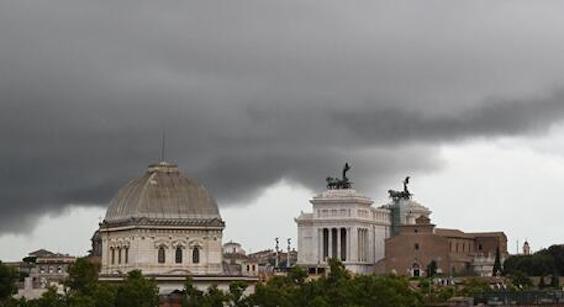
(161, 255)
(196, 255)
(178, 256)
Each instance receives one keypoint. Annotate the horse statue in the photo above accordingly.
(334, 183)
(405, 194)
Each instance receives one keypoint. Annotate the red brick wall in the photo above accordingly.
(401, 253)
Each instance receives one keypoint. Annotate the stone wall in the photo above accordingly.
(143, 246)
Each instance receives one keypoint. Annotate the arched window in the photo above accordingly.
(119, 255)
(126, 254)
(196, 255)
(161, 256)
(113, 251)
(178, 256)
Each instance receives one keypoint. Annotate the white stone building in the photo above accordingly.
(169, 227)
(233, 248)
(344, 225)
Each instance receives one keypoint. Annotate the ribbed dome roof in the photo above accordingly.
(162, 194)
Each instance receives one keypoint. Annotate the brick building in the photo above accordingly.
(454, 251)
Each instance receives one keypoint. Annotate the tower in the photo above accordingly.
(526, 248)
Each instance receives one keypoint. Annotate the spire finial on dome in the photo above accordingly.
(163, 146)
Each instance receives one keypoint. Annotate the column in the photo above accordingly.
(324, 244)
(354, 244)
(349, 254)
(313, 247)
(343, 245)
(319, 253)
(361, 244)
(338, 231)
(329, 243)
(334, 243)
(363, 238)
(321, 245)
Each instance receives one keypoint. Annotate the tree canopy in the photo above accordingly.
(8, 278)
(339, 288)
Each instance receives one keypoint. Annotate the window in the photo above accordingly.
(126, 254)
(416, 246)
(178, 256)
(248, 267)
(196, 255)
(59, 270)
(113, 255)
(161, 255)
(415, 230)
(479, 246)
(119, 255)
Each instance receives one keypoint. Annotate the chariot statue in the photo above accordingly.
(334, 183)
(405, 194)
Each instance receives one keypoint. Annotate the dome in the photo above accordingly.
(163, 195)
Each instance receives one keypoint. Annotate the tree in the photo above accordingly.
(473, 286)
(297, 275)
(50, 299)
(543, 262)
(542, 284)
(137, 291)
(214, 297)
(556, 252)
(497, 263)
(80, 300)
(236, 291)
(520, 280)
(193, 297)
(8, 278)
(104, 294)
(555, 281)
(83, 276)
(339, 288)
(432, 268)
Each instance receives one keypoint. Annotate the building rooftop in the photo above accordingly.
(162, 193)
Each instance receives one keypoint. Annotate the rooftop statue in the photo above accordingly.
(405, 194)
(340, 184)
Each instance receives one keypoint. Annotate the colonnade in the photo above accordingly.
(343, 243)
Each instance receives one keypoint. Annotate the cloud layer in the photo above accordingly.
(250, 92)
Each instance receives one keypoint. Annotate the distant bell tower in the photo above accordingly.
(526, 248)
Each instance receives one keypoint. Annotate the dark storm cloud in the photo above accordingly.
(250, 92)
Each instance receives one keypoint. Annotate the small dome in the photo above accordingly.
(162, 194)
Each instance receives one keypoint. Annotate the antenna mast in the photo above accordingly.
(163, 146)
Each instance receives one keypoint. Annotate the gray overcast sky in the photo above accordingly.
(254, 92)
